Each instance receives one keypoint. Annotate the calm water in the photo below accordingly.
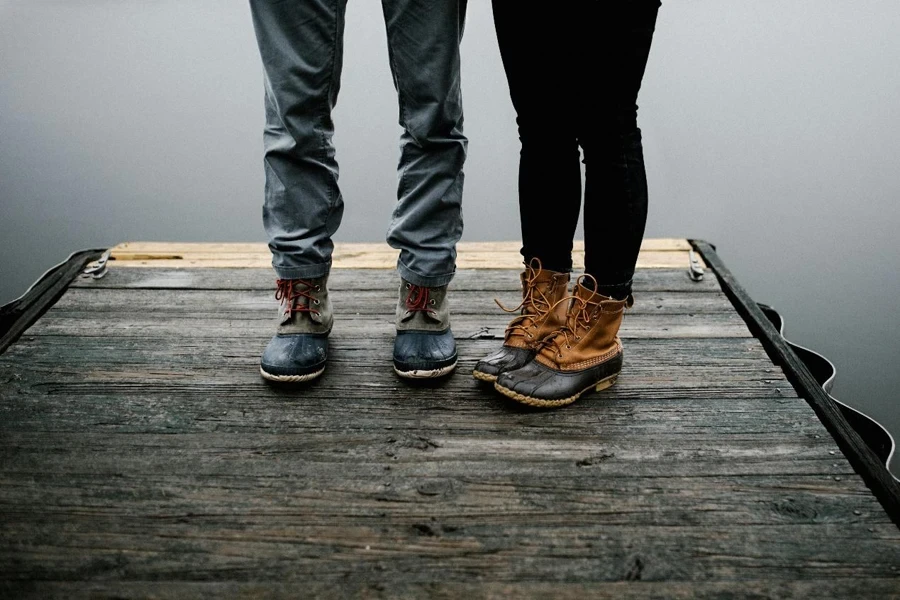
(772, 129)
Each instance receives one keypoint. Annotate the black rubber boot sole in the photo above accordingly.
(536, 384)
(542, 403)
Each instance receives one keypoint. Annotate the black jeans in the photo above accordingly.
(574, 72)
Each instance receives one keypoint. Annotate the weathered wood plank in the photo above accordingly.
(688, 420)
(82, 352)
(256, 323)
(647, 260)
(139, 443)
(363, 302)
(379, 383)
(425, 552)
(311, 500)
(377, 585)
(658, 244)
(340, 280)
(664, 253)
(445, 458)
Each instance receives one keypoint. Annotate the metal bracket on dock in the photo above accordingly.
(98, 268)
(696, 271)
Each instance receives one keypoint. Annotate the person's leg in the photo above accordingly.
(300, 42)
(533, 41)
(423, 41)
(537, 49)
(586, 353)
(615, 197)
(301, 45)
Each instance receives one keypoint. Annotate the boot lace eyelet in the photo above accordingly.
(529, 335)
(408, 286)
(559, 355)
(318, 288)
(316, 302)
(568, 347)
(432, 302)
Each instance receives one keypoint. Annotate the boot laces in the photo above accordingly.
(535, 304)
(289, 291)
(577, 322)
(417, 299)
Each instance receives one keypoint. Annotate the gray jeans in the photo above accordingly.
(301, 44)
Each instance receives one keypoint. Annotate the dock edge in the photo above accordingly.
(20, 314)
(861, 457)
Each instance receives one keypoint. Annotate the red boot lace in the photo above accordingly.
(417, 299)
(289, 290)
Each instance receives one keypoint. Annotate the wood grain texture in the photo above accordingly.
(483, 280)
(142, 456)
(376, 586)
(655, 253)
(648, 244)
(369, 260)
(865, 461)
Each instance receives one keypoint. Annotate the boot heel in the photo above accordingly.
(602, 385)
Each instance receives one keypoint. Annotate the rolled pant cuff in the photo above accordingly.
(615, 290)
(303, 272)
(423, 280)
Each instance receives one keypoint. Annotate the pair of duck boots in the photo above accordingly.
(560, 345)
(424, 347)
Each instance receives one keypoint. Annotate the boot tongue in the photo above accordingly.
(595, 301)
(591, 302)
(428, 315)
(591, 298)
(288, 303)
(423, 300)
(587, 294)
(541, 284)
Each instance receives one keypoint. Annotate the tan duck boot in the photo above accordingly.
(584, 353)
(543, 312)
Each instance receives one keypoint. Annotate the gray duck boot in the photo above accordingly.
(424, 346)
(300, 347)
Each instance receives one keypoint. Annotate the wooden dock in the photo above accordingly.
(142, 456)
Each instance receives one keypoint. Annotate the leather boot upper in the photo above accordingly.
(543, 310)
(422, 308)
(590, 334)
(305, 306)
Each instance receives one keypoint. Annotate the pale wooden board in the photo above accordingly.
(655, 254)
(647, 260)
(661, 244)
